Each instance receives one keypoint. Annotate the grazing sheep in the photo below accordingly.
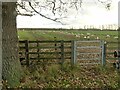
(85, 37)
(107, 36)
(97, 38)
(115, 37)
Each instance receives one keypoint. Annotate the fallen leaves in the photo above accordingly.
(67, 77)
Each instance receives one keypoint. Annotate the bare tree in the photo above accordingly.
(55, 11)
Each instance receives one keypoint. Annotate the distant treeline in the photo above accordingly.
(55, 29)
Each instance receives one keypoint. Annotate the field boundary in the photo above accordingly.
(59, 50)
(64, 29)
(44, 50)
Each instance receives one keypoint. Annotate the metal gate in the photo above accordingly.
(88, 52)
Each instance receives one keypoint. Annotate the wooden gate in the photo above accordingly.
(88, 52)
(44, 51)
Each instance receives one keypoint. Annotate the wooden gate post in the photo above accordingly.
(27, 52)
(38, 50)
(55, 44)
(103, 53)
(62, 52)
(73, 52)
(1, 45)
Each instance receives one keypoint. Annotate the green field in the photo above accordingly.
(53, 76)
(109, 36)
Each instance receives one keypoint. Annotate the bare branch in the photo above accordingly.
(101, 1)
(56, 19)
(76, 4)
(53, 9)
(62, 2)
(24, 8)
(23, 14)
(107, 3)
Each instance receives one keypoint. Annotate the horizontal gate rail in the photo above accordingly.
(85, 49)
(89, 63)
(44, 50)
(88, 47)
(88, 41)
(88, 53)
(45, 41)
(89, 59)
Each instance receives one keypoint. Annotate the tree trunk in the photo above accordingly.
(0, 45)
(11, 64)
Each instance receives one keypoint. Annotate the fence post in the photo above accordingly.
(38, 50)
(73, 52)
(55, 43)
(103, 53)
(62, 52)
(27, 52)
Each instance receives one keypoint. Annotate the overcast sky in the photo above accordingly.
(91, 13)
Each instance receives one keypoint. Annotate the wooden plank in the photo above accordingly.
(87, 53)
(22, 41)
(44, 53)
(48, 41)
(91, 47)
(89, 63)
(21, 48)
(88, 59)
(112, 48)
(112, 42)
(112, 58)
(45, 47)
(110, 53)
(47, 58)
(88, 41)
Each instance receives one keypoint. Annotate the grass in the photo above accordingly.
(68, 35)
(55, 76)
(67, 77)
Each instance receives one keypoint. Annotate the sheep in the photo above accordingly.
(97, 38)
(107, 36)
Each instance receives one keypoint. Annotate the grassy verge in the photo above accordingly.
(66, 77)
